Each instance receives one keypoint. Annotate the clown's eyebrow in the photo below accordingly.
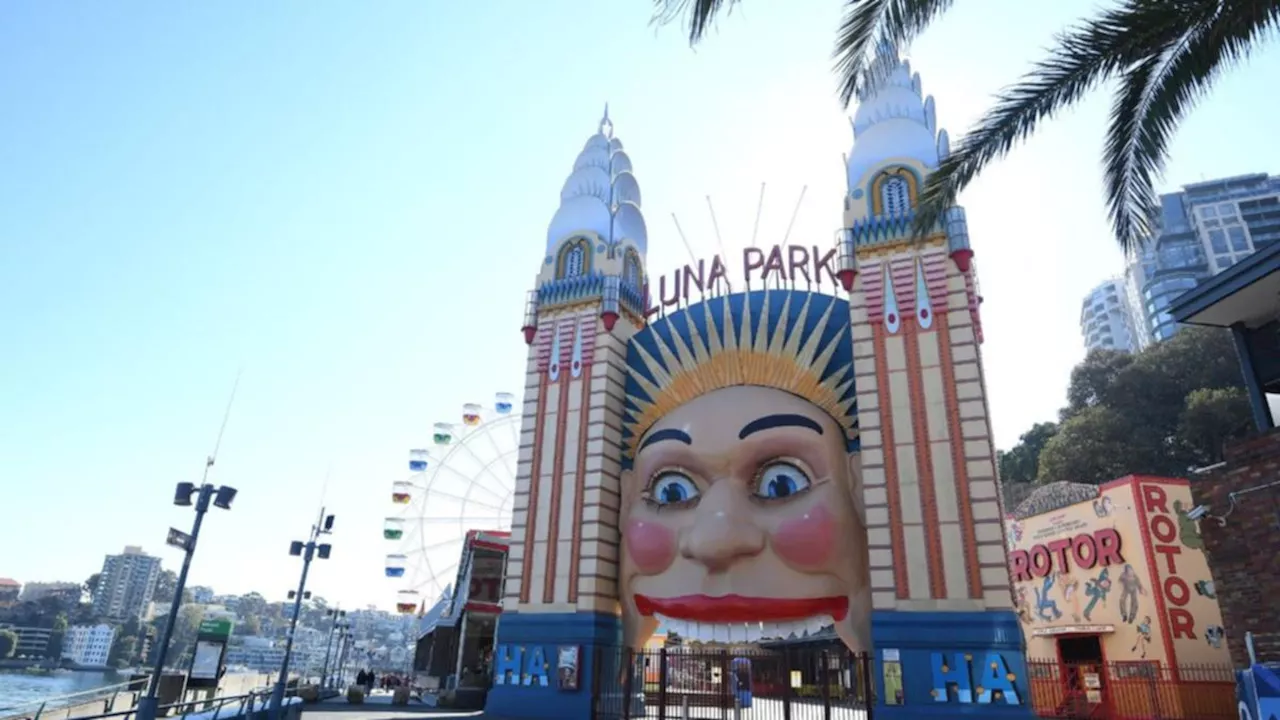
(667, 434)
(768, 422)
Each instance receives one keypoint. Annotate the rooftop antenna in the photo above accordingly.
(719, 240)
(795, 211)
(759, 206)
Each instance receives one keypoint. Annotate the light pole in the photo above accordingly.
(221, 497)
(338, 616)
(340, 647)
(307, 550)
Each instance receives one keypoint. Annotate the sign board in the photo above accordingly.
(178, 539)
(1073, 630)
(216, 627)
(207, 661)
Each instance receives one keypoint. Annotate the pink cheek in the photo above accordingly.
(807, 541)
(651, 546)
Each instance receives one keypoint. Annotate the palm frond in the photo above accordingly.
(698, 14)
(1081, 58)
(1219, 35)
(869, 26)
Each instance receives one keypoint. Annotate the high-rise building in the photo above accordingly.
(68, 592)
(1106, 321)
(126, 584)
(1200, 231)
(88, 645)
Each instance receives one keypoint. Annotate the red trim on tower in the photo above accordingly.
(1153, 575)
(535, 471)
(900, 580)
(924, 459)
(961, 468)
(576, 557)
(557, 482)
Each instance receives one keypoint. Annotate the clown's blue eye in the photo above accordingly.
(781, 480)
(672, 488)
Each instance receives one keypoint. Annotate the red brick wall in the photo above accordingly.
(1244, 553)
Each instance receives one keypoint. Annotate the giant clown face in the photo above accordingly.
(742, 519)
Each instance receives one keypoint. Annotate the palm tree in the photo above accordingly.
(1166, 55)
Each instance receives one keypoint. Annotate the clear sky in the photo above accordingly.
(349, 200)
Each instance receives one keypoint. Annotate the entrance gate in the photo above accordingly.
(803, 683)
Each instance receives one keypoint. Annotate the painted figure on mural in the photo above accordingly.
(742, 513)
(1071, 594)
(1014, 533)
(1188, 528)
(1130, 588)
(1022, 605)
(1103, 506)
(1144, 637)
(1046, 606)
(1213, 635)
(1097, 590)
(1204, 588)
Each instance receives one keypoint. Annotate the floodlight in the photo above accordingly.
(182, 494)
(224, 497)
(295, 548)
(328, 524)
(323, 551)
(1197, 512)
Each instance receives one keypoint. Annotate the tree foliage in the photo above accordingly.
(1163, 411)
(1164, 55)
(91, 585)
(8, 643)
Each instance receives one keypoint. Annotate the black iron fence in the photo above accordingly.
(687, 683)
(1132, 690)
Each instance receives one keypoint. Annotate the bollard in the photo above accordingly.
(737, 707)
(684, 707)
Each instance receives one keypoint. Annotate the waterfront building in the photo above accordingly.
(744, 456)
(88, 645)
(126, 584)
(201, 594)
(1106, 320)
(69, 592)
(33, 642)
(10, 589)
(1200, 231)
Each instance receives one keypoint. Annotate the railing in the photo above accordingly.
(1132, 690)
(792, 683)
(108, 695)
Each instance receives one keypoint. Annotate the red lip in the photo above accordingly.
(736, 608)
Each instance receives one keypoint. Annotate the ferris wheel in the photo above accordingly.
(464, 481)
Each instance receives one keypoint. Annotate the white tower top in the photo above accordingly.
(894, 121)
(601, 195)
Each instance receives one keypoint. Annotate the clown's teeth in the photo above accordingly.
(743, 632)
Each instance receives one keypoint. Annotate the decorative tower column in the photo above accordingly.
(561, 582)
(940, 583)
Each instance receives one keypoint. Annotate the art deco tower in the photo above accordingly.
(561, 582)
(939, 576)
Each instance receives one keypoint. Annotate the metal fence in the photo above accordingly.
(1132, 690)
(799, 683)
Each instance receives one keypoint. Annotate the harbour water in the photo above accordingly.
(19, 688)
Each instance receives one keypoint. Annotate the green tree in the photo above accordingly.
(1163, 411)
(166, 585)
(91, 585)
(1022, 463)
(8, 643)
(123, 651)
(1164, 55)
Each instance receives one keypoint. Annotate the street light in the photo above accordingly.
(344, 632)
(307, 551)
(338, 616)
(220, 497)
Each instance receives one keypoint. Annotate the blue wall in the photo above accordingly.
(946, 658)
(526, 640)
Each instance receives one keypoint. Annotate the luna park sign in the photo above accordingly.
(781, 264)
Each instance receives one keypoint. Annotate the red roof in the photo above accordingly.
(9, 582)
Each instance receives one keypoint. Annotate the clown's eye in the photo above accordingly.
(672, 488)
(781, 480)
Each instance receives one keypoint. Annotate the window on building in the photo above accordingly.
(575, 261)
(1218, 240)
(632, 271)
(1208, 212)
(895, 198)
(1239, 241)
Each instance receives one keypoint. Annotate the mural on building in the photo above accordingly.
(737, 530)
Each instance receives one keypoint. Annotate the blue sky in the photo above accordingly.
(349, 200)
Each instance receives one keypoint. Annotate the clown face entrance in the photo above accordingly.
(792, 683)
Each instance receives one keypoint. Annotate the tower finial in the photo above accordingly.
(606, 125)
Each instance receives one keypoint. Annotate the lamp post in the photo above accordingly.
(221, 497)
(338, 616)
(339, 648)
(307, 551)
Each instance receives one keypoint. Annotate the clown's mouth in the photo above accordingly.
(734, 618)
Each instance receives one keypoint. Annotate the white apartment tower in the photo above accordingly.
(126, 584)
(1106, 320)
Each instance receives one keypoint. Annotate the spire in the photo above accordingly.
(894, 120)
(601, 195)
